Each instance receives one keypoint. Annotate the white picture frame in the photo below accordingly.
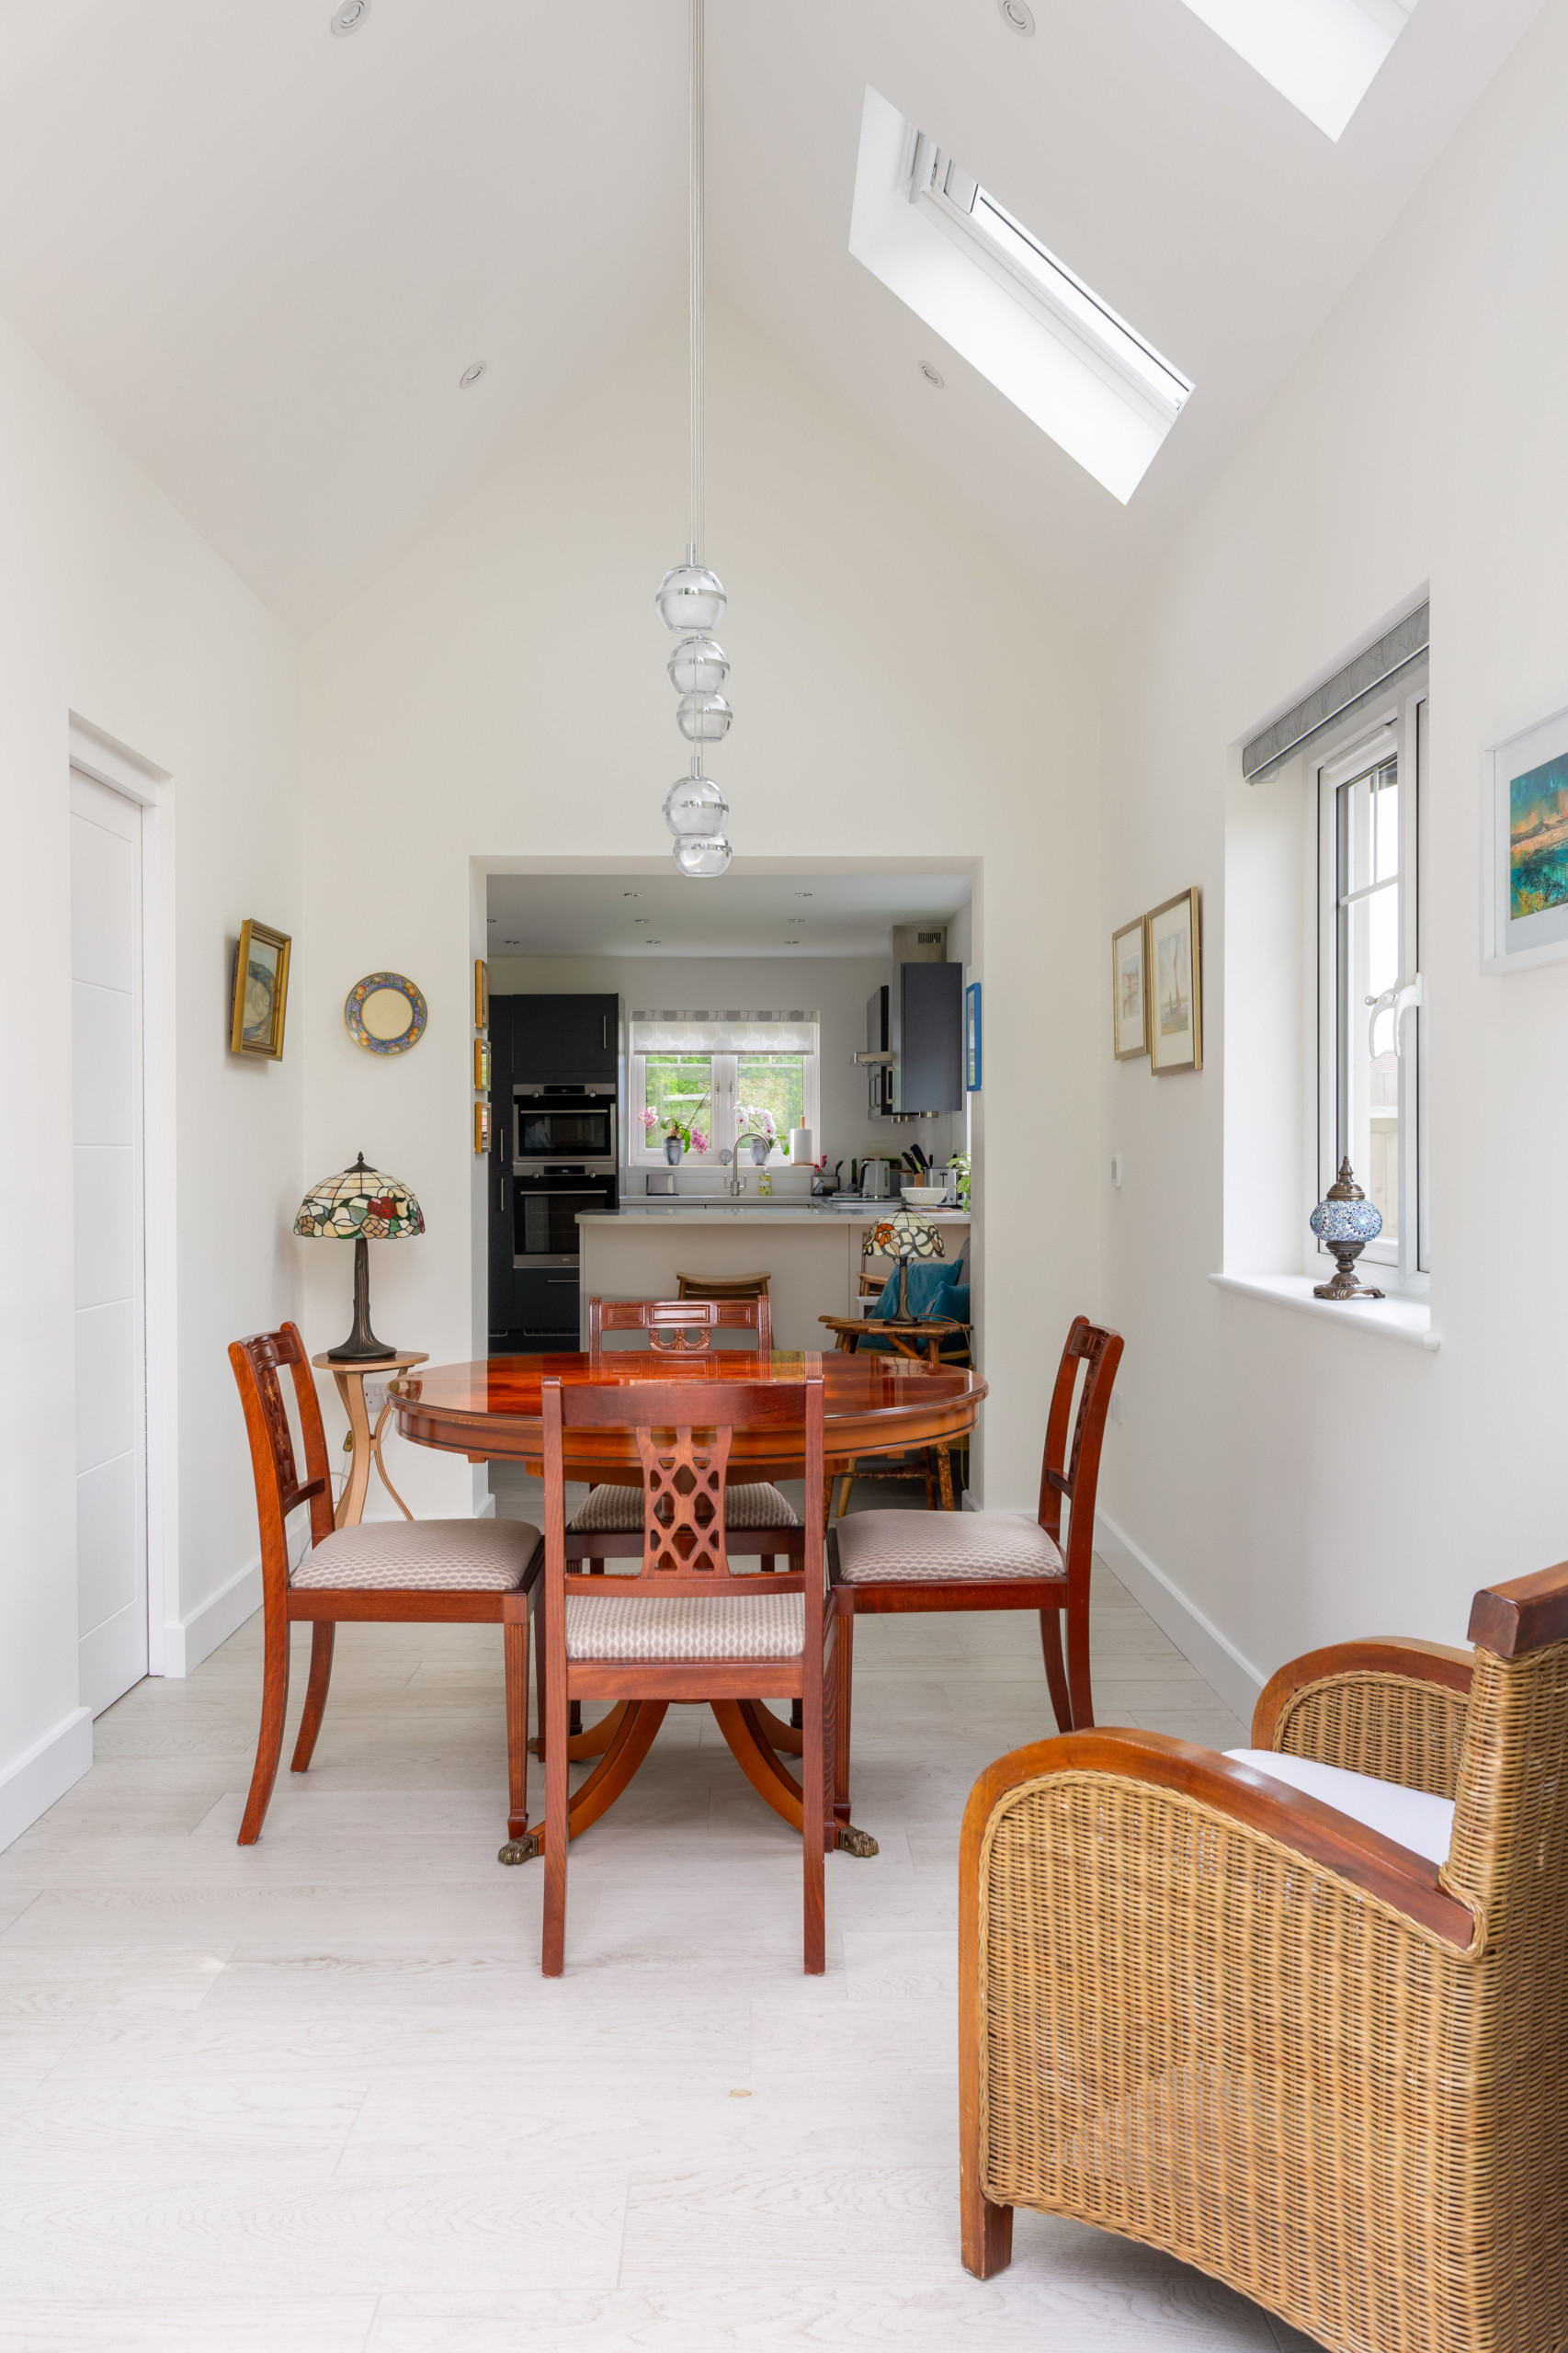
(1518, 833)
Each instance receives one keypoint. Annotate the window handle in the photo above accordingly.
(1397, 1001)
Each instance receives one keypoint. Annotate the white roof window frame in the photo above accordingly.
(1322, 56)
(950, 251)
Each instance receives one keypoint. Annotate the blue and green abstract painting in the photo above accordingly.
(1537, 839)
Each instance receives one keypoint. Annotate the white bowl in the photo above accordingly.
(924, 1197)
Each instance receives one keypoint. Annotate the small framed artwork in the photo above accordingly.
(972, 1038)
(1524, 850)
(482, 1127)
(1128, 991)
(1175, 985)
(261, 992)
(481, 994)
(481, 1064)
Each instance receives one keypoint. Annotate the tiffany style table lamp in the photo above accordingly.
(904, 1237)
(360, 1205)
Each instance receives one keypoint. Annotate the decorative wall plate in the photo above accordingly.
(385, 1013)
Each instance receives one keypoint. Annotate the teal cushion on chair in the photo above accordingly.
(926, 1285)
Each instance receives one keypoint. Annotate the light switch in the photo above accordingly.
(1116, 1170)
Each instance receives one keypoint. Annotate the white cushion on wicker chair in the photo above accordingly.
(683, 1626)
(893, 1546)
(615, 1511)
(1412, 1818)
(424, 1555)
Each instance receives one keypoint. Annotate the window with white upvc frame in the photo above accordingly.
(719, 1083)
(1372, 1014)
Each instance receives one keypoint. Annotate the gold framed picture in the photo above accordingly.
(481, 1064)
(260, 998)
(482, 1127)
(481, 994)
(1175, 957)
(1129, 991)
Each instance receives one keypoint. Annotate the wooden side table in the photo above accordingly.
(911, 1336)
(362, 1443)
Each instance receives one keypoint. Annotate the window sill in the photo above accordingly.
(1409, 1319)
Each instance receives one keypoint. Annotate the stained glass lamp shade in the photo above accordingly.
(360, 1205)
(904, 1237)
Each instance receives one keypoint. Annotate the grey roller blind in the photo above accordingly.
(1339, 697)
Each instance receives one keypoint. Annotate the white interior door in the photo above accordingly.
(111, 1403)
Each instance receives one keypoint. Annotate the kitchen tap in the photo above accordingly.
(735, 1182)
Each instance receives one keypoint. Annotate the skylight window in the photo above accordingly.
(966, 265)
(1321, 55)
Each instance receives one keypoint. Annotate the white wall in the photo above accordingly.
(1301, 1484)
(900, 692)
(112, 607)
(835, 987)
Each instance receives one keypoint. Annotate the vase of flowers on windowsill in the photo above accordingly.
(679, 1138)
(760, 1130)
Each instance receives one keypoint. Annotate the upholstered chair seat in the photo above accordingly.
(422, 1555)
(1412, 1818)
(617, 1511)
(900, 1547)
(766, 1626)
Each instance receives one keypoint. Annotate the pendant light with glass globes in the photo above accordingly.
(691, 598)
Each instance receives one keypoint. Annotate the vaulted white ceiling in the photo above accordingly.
(263, 255)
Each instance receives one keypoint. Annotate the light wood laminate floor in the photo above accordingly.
(314, 2096)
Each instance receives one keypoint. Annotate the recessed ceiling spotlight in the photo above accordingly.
(932, 375)
(1018, 13)
(349, 16)
(471, 375)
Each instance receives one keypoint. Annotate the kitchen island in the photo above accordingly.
(813, 1256)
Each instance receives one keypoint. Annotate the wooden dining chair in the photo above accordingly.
(723, 1286)
(387, 1570)
(1294, 2014)
(683, 1626)
(892, 1560)
(613, 1515)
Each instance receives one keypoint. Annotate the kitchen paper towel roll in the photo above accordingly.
(800, 1153)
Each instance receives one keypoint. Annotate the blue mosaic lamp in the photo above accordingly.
(1345, 1220)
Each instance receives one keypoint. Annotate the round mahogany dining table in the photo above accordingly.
(872, 1404)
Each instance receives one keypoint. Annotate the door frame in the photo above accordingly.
(137, 780)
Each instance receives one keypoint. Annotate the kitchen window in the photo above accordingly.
(1371, 1013)
(719, 1079)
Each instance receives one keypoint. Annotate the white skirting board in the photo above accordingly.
(30, 1785)
(1219, 1661)
(189, 1640)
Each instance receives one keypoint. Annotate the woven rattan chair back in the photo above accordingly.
(677, 1325)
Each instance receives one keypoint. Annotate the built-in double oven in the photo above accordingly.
(563, 1168)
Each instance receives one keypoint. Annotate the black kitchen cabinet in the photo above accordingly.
(920, 1021)
(498, 1172)
(544, 1308)
(564, 1037)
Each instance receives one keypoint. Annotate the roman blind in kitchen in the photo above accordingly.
(1349, 690)
(709, 1032)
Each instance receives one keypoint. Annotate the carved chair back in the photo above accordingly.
(684, 1431)
(257, 1363)
(677, 1325)
(1072, 1475)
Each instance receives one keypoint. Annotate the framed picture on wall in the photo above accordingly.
(482, 1127)
(260, 998)
(1174, 950)
(1128, 991)
(1525, 848)
(481, 994)
(481, 1064)
(972, 1038)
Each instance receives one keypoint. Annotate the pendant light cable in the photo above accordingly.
(699, 262)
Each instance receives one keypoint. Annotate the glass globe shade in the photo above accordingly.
(703, 857)
(695, 808)
(690, 599)
(698, 666)
(704, 719)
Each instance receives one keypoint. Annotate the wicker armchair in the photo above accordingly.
(1210, 2012)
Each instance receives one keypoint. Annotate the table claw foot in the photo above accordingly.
(519, 1851)
(856, 1842)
